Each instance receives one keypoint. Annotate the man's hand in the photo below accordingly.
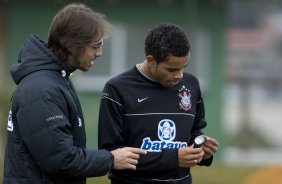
(210, 147)
(126, 158)
(189, 156)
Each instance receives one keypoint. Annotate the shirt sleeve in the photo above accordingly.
(199, 124)
(110, 125)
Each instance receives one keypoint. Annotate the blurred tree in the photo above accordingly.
(3, 26)
(4, 100)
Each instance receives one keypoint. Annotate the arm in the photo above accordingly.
(47, 133)
(110, 135)
(210, 145)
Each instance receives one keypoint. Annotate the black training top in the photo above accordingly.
(138, 112)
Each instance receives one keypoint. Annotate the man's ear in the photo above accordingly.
(151, 61)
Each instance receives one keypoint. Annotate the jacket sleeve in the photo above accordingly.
(47, 133)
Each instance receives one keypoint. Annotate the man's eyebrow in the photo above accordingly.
(97, 44)
(177, 68)
(186, 65)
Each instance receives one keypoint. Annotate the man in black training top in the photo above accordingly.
(157, 107)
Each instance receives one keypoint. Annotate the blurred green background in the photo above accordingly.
(236, 54)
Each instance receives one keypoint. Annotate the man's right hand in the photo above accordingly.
(126, 158)
(189, 156)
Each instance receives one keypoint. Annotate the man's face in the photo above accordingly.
(85, 60)
(170, 72)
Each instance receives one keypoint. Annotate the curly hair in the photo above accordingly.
(165, 40)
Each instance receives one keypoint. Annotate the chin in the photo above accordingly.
(166, 85)
(170, 85)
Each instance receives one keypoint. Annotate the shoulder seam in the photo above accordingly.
(112, 100)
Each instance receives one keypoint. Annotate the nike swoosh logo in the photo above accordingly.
(141, 100)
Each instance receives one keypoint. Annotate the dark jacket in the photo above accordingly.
(46, 141)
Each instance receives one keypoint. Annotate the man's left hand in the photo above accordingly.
(210, 147)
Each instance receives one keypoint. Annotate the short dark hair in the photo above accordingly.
(75, 26)
(165, 40)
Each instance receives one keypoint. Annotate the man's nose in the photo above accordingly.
(98, 53)
(178, 74)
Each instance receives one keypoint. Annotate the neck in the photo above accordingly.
(145, 70)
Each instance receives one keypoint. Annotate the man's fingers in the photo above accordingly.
(133, 161)
(126, 158)
(131, 167)
(134, 156)
(212, 141)
(207, 151)
(210, 146)
(131, 164)
(136, 150)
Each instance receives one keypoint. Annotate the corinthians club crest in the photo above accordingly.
(166, 130)
(185, 95)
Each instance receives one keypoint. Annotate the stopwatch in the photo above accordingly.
(199, 141)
